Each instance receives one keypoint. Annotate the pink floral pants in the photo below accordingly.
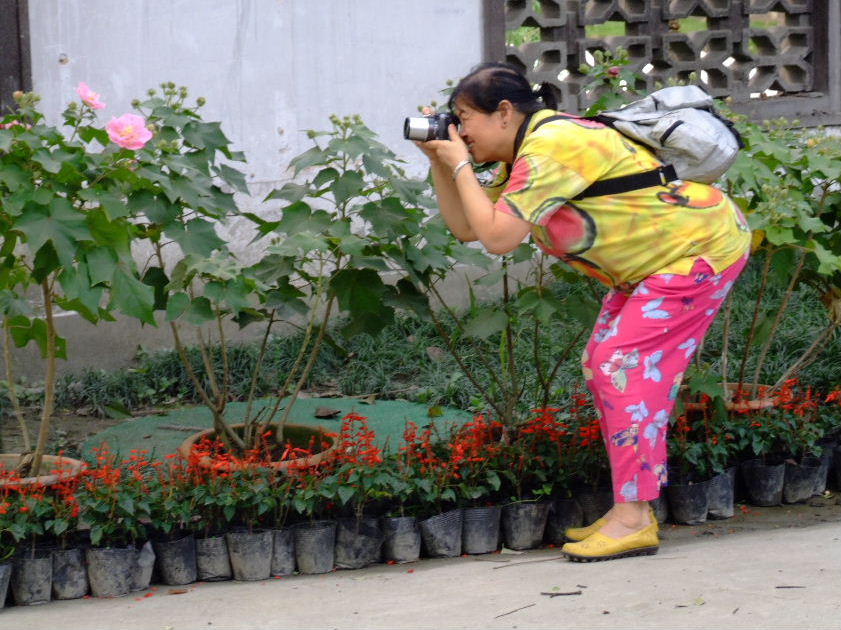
(634, 364)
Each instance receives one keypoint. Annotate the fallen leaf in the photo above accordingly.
(177, 591)
(435, 353)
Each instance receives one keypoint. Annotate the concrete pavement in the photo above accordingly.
(766, 568)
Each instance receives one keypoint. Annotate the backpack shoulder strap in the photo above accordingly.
(625, 183)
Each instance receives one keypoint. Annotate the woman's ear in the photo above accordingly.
(506, 112)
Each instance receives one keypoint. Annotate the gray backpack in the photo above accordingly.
(680, 125)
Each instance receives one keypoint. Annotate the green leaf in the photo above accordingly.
(200, 312)
(156, 208)
(234, 178)
(362, 293)
(290, 192)
(311, 157)
(156, 278)
(131, 297)
(176, 305)
(325, 175)
(488, 322)
(345, 494)
(7, 136)
(205, 135)
(60, 224)
(101, 264)
(350, 184)
(197, 236)
(12, 176)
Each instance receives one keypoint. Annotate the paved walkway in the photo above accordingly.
(766, 568)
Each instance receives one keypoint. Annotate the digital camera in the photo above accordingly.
(434, 127)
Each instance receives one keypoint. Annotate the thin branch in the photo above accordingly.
(49, 380)
(811, 353)
(13, 392)
(758, 303)
(777, 320)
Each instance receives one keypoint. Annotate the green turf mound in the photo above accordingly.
(162, 434)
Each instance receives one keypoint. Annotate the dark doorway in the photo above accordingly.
(14, 51)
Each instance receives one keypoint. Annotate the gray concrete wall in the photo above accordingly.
(269, 70)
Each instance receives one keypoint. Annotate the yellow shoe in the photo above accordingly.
(598, 547)
(577, 534)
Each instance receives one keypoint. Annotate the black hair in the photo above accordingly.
(490, 83)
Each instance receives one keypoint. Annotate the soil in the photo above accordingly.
(68, 431)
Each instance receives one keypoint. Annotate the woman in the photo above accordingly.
(669, 253)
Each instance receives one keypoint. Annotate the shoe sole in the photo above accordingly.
(642, 551)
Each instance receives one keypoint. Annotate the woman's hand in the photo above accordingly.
(447, 152)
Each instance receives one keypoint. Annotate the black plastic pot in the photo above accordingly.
(763, 482)
(70, 575)
(836, 467)
(251, 554)
(523, 524)
(110, 570)
(441, 534)
(800, 478)
(660, 507)
(827, 448)
(594, 503)
(564, 513)
(721, 494)
(401, 538)
(32, 577)
(5, 578)
(358, 542)
(315, 543)
(142, 567)
(176, 560)
(283, 552)
(480, 529)
(688, 502)
(213, 564)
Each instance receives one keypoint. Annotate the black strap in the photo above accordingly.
(615, 185)
(625, 183)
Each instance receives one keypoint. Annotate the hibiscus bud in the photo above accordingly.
(200, 101)
(135, 103)
(613, 71)
(17, 95)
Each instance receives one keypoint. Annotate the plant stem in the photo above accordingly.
(758, 303)
(49, 380)
(777, 319)
(448, 339)
(257, 367)
(13, 392)
(725, 344)
(808, 356)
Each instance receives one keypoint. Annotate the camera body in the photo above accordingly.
(425, 128)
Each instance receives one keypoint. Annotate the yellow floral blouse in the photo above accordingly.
(618, 239)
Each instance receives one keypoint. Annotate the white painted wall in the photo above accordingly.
(269, 69)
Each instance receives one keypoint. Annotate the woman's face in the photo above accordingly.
(483, 133)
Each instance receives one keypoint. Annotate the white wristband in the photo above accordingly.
(458, 167)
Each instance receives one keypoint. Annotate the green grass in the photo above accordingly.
(408, 360)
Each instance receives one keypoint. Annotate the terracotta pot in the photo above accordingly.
(764, 401)
(297, 434)
(69, 468)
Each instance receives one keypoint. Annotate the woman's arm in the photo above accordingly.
(449, 202)
(465, 207)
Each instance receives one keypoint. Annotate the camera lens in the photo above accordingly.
(420, 128)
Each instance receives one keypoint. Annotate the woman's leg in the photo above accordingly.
(636, 372)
